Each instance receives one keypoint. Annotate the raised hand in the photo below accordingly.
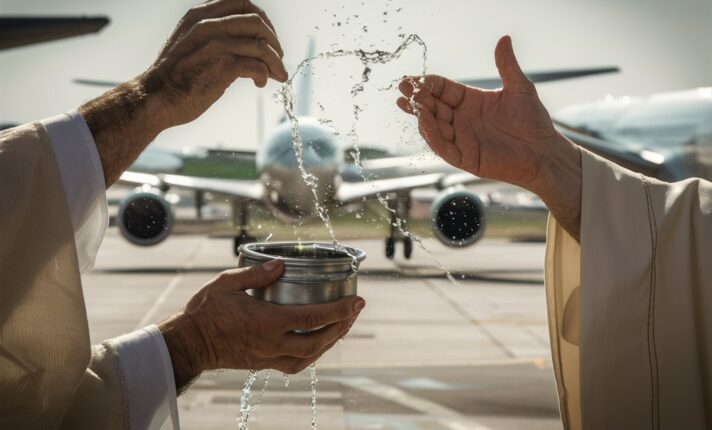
(214, 44)
(502, 134)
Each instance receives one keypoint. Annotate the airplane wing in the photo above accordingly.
(20, 31)
(642, 161)
(249, 190)
(350, 192)
(547, 76)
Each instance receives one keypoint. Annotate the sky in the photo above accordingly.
(660, 46)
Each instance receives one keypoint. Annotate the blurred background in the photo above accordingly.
(425, 354)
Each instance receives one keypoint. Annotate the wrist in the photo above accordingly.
(559, 181)
(184, 343)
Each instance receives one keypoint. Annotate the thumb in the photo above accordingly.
(251, 277)
(507, 65)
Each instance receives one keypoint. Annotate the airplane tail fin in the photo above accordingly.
(547, 76)
(304, 85)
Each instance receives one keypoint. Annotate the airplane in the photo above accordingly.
(145, 217)
(17, 31)
(667, 136)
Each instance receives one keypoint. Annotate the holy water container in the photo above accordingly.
(314, 272)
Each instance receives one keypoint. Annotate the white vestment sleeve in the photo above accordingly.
(148, 379)
(638, 328)
(83, 181)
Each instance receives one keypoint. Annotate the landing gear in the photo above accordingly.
(240, 240)
(399, 215)
(407, 247)
(239, 218)
(390, 248)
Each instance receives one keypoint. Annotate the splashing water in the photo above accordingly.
(356, 153)
(286, 96)
(262, 391)
(245, 408)
(245, 399)
(312, 384)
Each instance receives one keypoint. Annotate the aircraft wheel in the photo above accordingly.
(390, 248)
(407, 247)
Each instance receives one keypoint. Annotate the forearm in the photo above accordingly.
(123, 121)
(559, 184)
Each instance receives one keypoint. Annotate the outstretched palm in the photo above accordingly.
(502, 134)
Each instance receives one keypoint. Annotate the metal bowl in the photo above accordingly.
(314, 272)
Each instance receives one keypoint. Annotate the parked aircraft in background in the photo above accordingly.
(458, 216)
(17, 31)
(667, 136)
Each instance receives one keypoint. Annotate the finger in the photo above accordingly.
(405, 105)
(250, 277)
(313, 343)
(445, 90)
(250, 25)
(446, 131)
(224, 8)
(245, 67)
(431, 132)
(309, 317)
(259, 11)
(406, 86)
(292, 365)
(237, 50)
(258, 49)
(509, 71)
(414, 90)
(443, 112)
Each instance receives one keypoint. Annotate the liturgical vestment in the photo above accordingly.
(630, 307)
(50, 376)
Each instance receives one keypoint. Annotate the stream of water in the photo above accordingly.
(286, 97)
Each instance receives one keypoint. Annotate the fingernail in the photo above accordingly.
(271, 265)
(359, 305)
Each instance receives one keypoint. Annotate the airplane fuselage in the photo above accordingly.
(286, 190)
(676, 126)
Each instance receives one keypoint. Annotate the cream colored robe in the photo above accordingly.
(49, 375)
(630, 309)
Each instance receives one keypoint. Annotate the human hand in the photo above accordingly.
(215, 43)
(502, 134)
(222, 327)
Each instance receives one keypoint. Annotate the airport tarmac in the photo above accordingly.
(424, 354)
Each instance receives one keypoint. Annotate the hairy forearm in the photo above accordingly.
(183, 343)
(559, 184)
(123, 121)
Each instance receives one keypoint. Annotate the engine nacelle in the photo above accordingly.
(458, 218)
(145, 218)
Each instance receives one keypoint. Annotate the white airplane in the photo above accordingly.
(667, 136)
(145, 217)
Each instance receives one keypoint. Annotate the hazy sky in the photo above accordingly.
(660, 45)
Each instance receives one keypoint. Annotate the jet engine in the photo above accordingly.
(458, 218)
(145, 218)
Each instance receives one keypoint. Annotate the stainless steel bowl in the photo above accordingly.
(314, 272)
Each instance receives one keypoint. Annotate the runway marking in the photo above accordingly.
(446, 416)
(150, 315)
(492, 338)
(538, 362)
